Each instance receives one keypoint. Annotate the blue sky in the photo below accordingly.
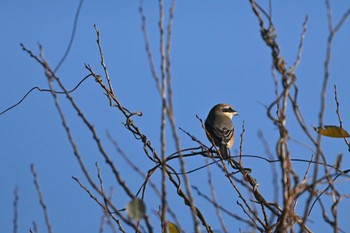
(217, 56)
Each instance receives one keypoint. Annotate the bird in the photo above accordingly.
(219, 128)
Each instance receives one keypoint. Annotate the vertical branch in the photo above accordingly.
(301, 43)
(167, 55)
(241, 144)
(107, 199)
(163, 116)
(41, 199)
(274, 173)
(337, 111)
(322, 109)
(170, 112)
(173, 125)
(15, 210)
(214, 201)
(326, 75)
(103, 60)
(148, 48)
(338, 114)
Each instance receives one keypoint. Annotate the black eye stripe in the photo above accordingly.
(228, 109)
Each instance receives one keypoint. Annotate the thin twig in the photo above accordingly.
(338, 114)
(98, 41)
(15, 210)
(241, 143)
(70, 43)
(41, 199)
(301, 44)
(214, 201)
(43, 90)
(148, 48)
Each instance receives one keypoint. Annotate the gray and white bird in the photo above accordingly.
(220, 129)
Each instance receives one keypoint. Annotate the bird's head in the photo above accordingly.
(225, 109)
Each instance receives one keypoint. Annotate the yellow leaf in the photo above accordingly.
(332, 131)
(172, 228)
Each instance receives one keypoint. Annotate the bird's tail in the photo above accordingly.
(224, 151)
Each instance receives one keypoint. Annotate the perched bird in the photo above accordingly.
(219, 127)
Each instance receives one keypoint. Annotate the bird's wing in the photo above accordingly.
(224, 134)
